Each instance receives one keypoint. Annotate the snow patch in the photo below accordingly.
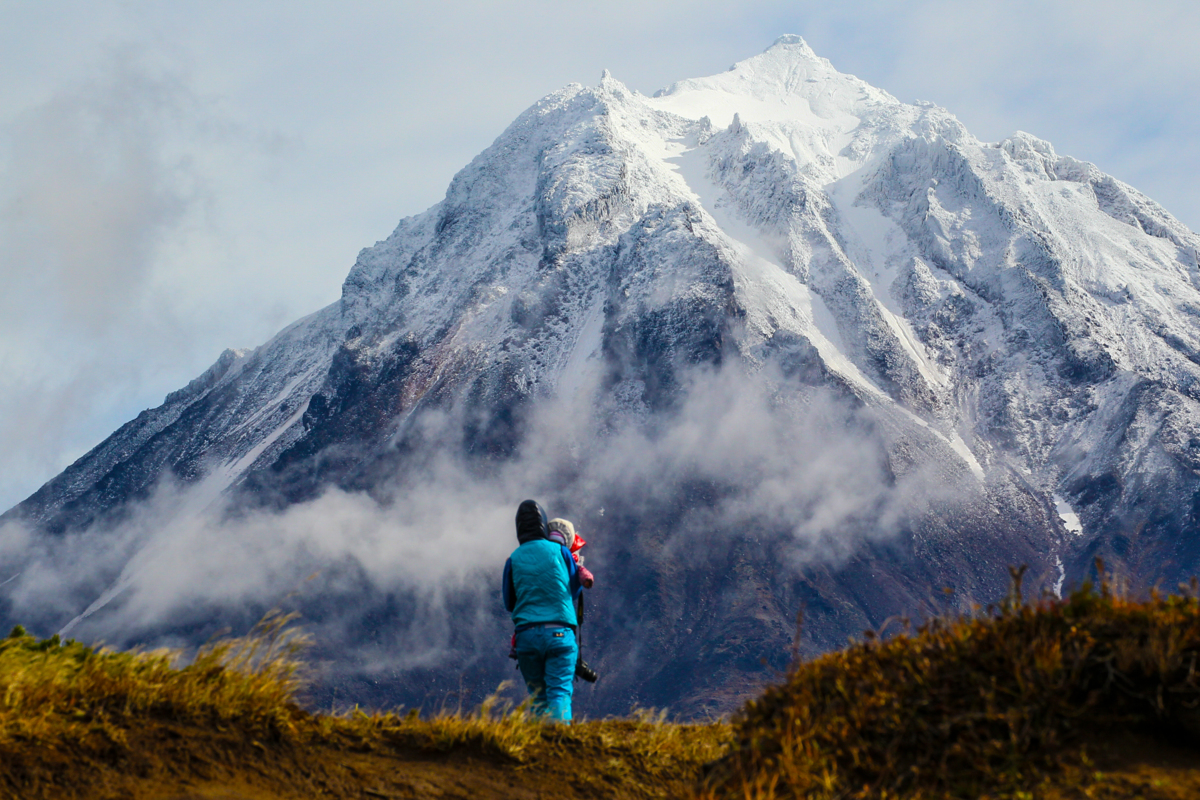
(877, 246)
(772, 296)
(1067, 514)
(584, 354)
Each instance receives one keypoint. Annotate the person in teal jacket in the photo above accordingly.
(540, 587)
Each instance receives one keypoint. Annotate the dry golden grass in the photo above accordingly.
(66, 691)
(75, 719)
(998, 704)
(1049, 701)
(645, 755)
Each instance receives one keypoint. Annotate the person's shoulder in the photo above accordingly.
(542, 549)
(536, 546)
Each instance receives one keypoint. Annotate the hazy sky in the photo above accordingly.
(181, 177)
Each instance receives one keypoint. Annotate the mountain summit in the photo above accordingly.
(780, 340)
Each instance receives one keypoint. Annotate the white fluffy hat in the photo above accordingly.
(565, 527)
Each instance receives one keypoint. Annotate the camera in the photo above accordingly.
(582, 670)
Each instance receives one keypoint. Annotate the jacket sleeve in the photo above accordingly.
(573, 582)
(507, 590)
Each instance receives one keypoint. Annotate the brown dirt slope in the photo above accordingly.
(612, 759)
(159, 759)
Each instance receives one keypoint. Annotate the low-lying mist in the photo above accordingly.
(408, 575)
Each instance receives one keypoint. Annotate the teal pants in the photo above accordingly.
(547, 659)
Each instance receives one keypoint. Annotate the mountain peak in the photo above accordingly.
(787, 80)
(610, 84)
(791, 40)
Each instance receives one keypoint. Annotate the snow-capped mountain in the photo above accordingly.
(781, 339)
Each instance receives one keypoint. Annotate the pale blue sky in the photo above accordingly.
(179, 177)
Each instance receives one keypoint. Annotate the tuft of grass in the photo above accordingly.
(52, 690)
(996, 704)
(496, 727)
(645, 750)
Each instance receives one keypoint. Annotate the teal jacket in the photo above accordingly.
(541, 584)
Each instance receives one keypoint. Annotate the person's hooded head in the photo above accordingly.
(531, 522)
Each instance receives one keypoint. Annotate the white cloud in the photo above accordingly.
(771, 461)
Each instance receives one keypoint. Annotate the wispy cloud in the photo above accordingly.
(90, 193)
(744, 453)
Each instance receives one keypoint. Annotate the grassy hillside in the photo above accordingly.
(1091, 696)
(1022, 701)
(76, 722)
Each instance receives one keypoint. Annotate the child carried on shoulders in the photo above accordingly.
(563, 532)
